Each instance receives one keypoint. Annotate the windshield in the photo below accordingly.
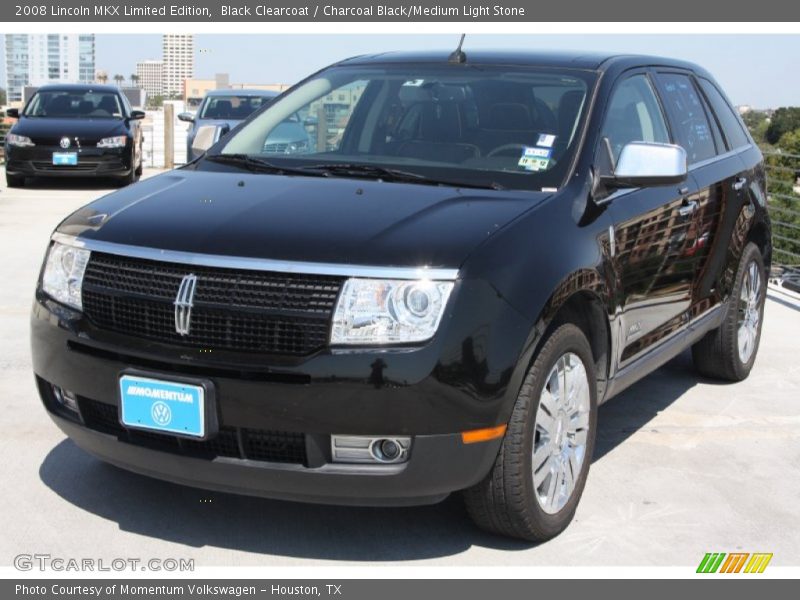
(511, 127)
(66, 104)
(231, 107)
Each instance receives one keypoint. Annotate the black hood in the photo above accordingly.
(46, 130)
(298, 218)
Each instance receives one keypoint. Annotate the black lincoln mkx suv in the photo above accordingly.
(435, 296)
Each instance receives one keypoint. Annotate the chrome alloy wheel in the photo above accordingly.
(560, 433)
(749, 312)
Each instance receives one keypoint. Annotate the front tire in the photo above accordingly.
(729, 351)
(537, 480)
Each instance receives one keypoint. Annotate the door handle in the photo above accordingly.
(739, 184)
(688, 209)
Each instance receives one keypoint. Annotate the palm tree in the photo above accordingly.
(134, 79)
(102, 77)
(119, 79)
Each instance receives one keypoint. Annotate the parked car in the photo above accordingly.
(436, 298)
(75, 130)
(224, 109)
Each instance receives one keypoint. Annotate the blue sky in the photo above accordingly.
(760, 70)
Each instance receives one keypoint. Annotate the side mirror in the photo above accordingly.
(12, 113)
(646, 164)
(186, 117)
(207, 136)
(137, 115)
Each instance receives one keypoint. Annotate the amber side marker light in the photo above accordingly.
(483, 435)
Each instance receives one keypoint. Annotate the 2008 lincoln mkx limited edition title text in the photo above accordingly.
(472, 252)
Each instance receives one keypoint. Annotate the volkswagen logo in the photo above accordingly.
(64, 143)
(161, 414)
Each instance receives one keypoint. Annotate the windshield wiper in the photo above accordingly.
(390, 174)
(259, 165)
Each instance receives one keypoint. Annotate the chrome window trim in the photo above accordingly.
(723, 156)
(257, 264)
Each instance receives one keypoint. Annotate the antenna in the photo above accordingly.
(458, 56)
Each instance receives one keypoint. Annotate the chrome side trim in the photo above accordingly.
(258, 264)
(718, 157)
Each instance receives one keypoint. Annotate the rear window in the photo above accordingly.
(231, 107)
(731, 126)
(691, 123)
(68, 104)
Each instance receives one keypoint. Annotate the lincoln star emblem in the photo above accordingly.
(184, 302)
(64, 143)
(161, 414)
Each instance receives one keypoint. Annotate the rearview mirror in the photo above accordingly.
(645, 164)
(12, 113)
(137, 115)
(186, 117)
(207, 136)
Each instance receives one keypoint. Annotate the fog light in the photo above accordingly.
(66, 398)
(369, 449)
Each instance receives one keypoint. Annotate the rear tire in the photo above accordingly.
(729, 351)
(509, 501)
(14, 181)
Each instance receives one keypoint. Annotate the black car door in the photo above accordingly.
(718, 174)
(650, 227)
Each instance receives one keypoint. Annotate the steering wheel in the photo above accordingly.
(504, 148)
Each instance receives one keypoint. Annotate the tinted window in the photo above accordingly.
(634, 115)
(510, 126)
(67, 104)
(691, 123)
(230, 107)
(731, 125)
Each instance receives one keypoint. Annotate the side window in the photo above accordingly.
(731, 126)
(634, 115)
(691, 122)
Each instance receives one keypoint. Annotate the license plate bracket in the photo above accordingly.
(179, 406)
(65, 159)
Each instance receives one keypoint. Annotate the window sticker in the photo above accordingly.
(535, 159)
(546, 139)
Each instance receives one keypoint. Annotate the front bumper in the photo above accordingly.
(439, 465)
(92, 162)
(431, 393)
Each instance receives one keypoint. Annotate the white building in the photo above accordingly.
(150, 74)
(178, 63)
(39, 59)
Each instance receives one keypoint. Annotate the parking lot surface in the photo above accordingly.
(683, 466)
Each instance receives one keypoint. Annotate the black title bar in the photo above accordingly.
(409, 11)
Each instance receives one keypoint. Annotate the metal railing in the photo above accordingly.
(783, 202)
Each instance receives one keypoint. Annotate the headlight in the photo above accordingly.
(21, 141)
(118, 141)
(389, 311)
(297, 147)
(63, 274)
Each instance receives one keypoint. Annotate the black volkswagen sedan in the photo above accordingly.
(435, 296)
(75, 130)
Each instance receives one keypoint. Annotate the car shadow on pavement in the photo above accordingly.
(199, 518)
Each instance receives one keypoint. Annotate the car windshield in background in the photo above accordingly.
(230, 107)
(66, 104)
(515, 128)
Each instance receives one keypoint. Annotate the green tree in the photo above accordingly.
(783, 121)
(134, 79)
(757, 122)
(783, 168)
(2, 96)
